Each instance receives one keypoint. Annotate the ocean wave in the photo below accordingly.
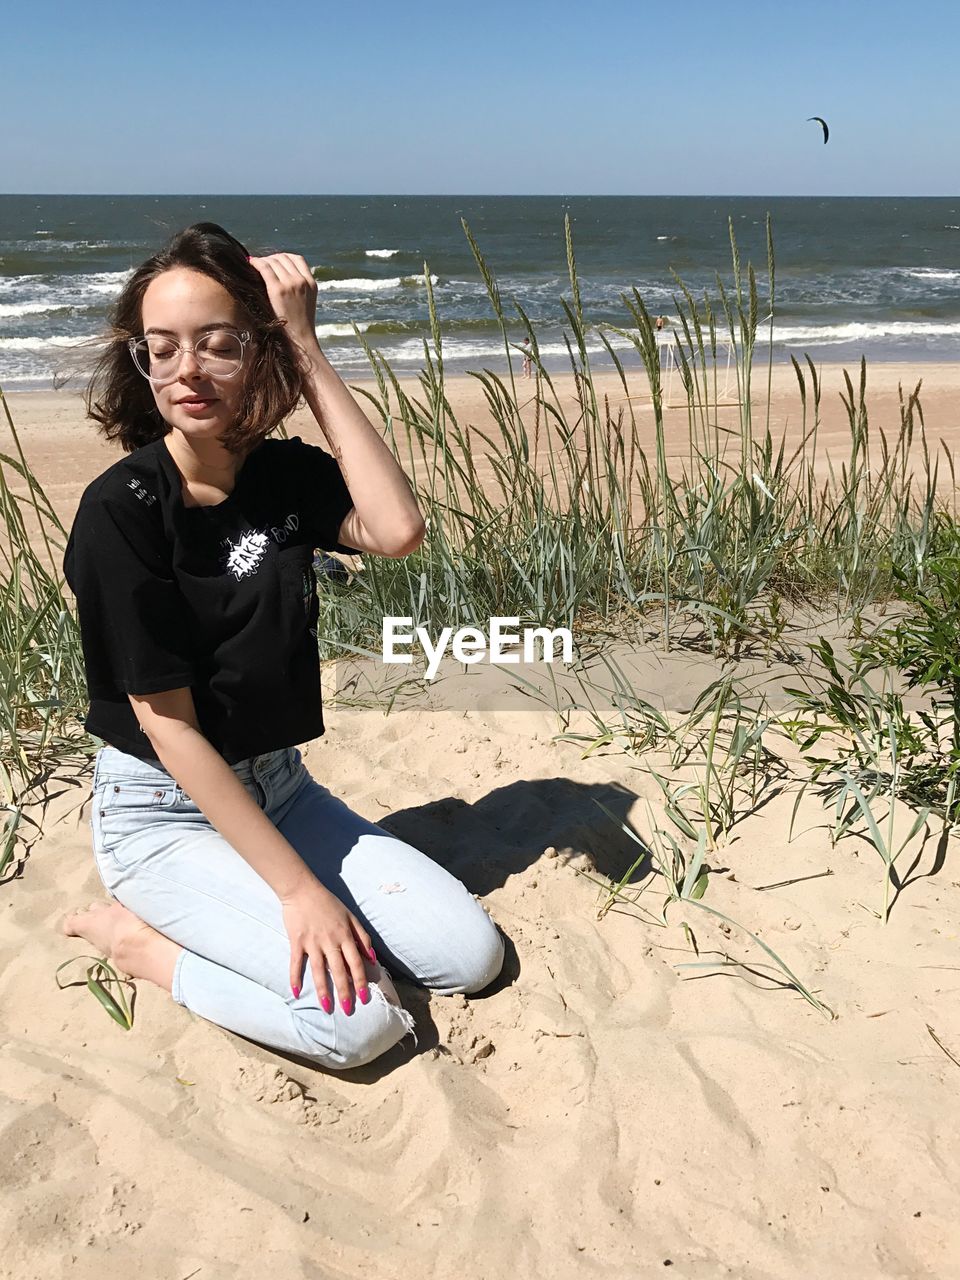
(357, 253)
(34, 294)
(418, 280)
(386, 328)
(471, 324)
(32, 308)
(46, 344)
(363, 284)
(822, 335)
(410, 351)
(54, 245)
(934, 273)
(30, 380)
(358, 285)
(338, 330)
(859, 331)
(103, 281)
(10, 284)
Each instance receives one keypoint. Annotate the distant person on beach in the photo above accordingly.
(526, 358)
(660, 324)
(242, 886)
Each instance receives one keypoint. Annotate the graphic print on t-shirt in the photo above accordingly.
(243, 557)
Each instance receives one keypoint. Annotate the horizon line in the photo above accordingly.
(460, 195)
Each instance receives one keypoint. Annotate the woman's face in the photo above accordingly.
(184, 305)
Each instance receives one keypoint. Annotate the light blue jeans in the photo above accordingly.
(160, 857)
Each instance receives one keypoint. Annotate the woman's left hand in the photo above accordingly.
(292, 291)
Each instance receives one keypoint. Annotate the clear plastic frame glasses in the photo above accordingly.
(219, 354)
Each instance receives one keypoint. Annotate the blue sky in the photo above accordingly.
(540, 96)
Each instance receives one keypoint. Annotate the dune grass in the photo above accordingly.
(42, 688)
(579, 525)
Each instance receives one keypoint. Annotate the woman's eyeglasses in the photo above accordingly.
(219, 354)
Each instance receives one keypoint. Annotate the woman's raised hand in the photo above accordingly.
(321, 929)
(292, 291)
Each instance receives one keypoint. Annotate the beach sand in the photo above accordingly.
(601, 1111)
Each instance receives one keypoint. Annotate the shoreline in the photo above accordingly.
(65, 451)
(601, 366)
(882, 374)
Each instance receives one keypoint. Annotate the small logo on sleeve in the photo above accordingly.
(141, 492)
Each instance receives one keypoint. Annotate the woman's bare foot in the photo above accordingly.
(131, 945)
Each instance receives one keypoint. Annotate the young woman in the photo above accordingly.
(242, 886)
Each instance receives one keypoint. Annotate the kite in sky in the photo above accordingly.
(820, 121)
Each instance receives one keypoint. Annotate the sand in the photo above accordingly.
(601, 1111)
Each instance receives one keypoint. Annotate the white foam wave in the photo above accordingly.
(45, 344)
(338, 330)
(103, 281)
(28, 381)
(410, 350)
(11, 284)
(358, 285)
(362, 284)
(31, 308)
(51, 244)
(828, 335)
(35, 294)
(933, 273)
(381, 253)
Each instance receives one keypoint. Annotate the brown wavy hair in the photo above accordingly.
(119, 398)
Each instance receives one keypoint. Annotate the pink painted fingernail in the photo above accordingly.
(326, 1004)
(296, 992)
(346, 1004)
(372, 954)
(364, 994)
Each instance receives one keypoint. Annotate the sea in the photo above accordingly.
(877, 277)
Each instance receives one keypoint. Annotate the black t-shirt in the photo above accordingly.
(220, 598)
